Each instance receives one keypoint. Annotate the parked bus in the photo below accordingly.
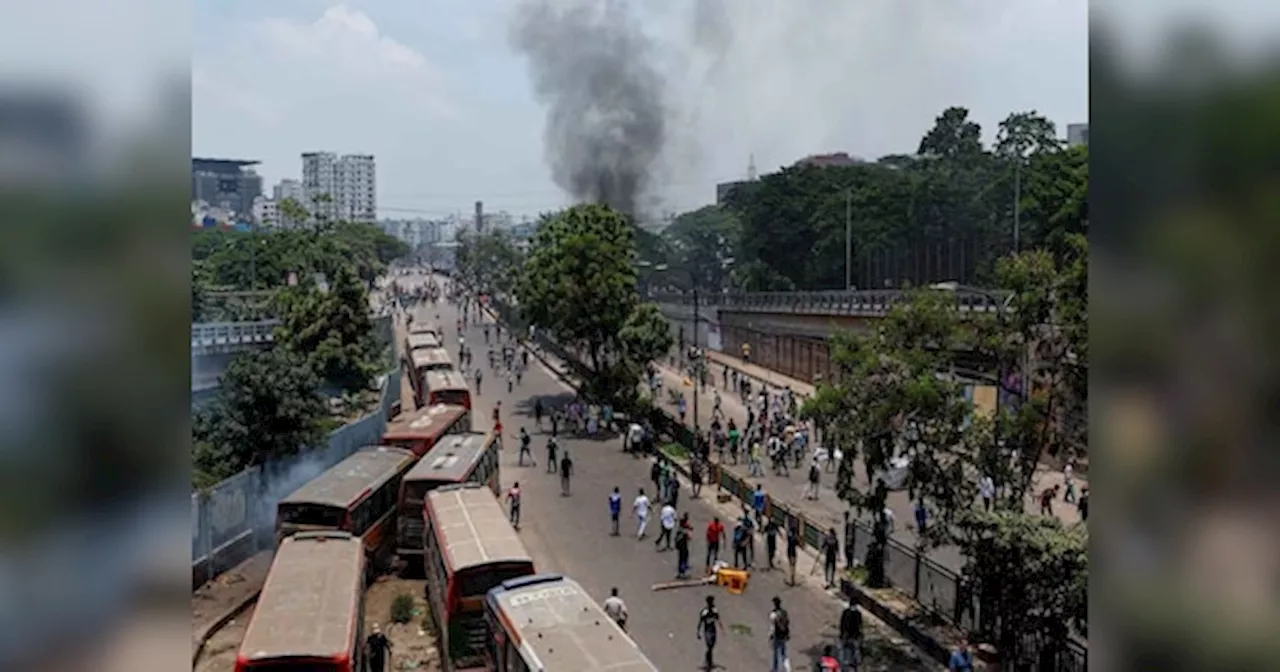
(419, 430)
(310, 614)
(357, 495)
(549, 622)
(464, 458)
(420, 341)
(425, 327)
(446, 387)
(470, 547)
(422, 362)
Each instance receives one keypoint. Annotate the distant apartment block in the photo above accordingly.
(340, 187)
(266, 213)
(1077, 134)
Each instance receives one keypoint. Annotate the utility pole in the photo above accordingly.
(1017, 199)
(848, 239)
(697, 364)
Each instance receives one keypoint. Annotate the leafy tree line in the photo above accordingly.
(488, 260)
(945, 213)
(272, 402)
(888, 399)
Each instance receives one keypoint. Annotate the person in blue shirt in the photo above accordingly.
(758, 503)
(615, 509)
(961, 659)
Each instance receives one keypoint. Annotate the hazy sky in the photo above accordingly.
(434, 90)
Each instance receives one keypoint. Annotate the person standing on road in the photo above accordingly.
(616, 608)
(715, 534)
(615, 510)
(779, 635)
(815, 478)
(566, 471)
(695, 477)
(667, 517)
(379, 649)
(758, 503)
(771, 541)
(641, 508)
(793, 547)
(708, 627)
(537, 413)
(551, 454)
(851, 637)
(655, 475)
(513, 500)
(525, 440)
(830, 549)
(479, 380)
(850, 529)
(740, 546)
(682, 550)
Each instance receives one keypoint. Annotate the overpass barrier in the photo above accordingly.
(859, 302)
(235, 519)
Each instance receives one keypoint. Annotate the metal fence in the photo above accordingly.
(859, 302)
(235, 519)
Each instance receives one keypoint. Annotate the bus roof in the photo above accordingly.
(424, 422)
(473, 528)
(309, 603)
(347, 480)
(425, 327)
(446, 380)
(428, 356)
(555, 621)
(425, 339)
(451, 458)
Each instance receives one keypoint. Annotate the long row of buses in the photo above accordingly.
(429, 495)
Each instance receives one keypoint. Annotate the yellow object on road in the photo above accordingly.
(734, 579)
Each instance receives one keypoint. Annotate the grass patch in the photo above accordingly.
(676, 450)
(858, 575)
(402, 608)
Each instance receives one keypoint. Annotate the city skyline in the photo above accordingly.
(443, 101)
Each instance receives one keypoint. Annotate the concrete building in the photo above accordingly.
(226, 184)
(1077, 134)
(266, 212)
(291, 190)
(725, 188)
(835, 159)
(340, 187)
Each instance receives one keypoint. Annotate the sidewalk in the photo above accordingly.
(828, 509)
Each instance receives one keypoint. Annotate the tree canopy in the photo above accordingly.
(943, 214)
(579, 283)
(488, 260)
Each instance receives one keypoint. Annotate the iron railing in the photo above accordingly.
(860, 302)
(217, 334)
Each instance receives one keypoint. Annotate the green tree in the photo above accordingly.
(579, 284)
(953, 136)
(269, 408)
(488, 260)
(332, 332)
(703, 244)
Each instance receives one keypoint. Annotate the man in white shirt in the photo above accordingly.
(667, 516)
(987, 489)
(641, 507)
(634, 435)
(616, 608)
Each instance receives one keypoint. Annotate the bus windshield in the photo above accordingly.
(455, 397)
(295, 666)
(311, 514)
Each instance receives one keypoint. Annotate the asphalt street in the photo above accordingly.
(570, 535)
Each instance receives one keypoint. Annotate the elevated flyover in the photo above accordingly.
(789, 332)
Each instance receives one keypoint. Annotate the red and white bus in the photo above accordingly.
(549, 622)
(446, 387)
(310, 614)
(419, 430)
(422, 362)
(358, 495)
(461, 458)
(470, 547)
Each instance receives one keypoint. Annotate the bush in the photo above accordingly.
(402, 608)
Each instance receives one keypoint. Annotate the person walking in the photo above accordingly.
(513, 501)
(537, 413)
(1069, 483)
(615, 608)
(922, 517)
(525, 441)
(655, 475)
(615, 510)
(758, 502)
(740, 546)
(779, 635)
(987, 489)
(715, 534)
(851, 636)
(566, 471)
(551, 454)
(830, 549)
(379, 649)
(695, 478)
(771, 541)
(641, 508)
(682, 552)
(709, 626)
(667, 518)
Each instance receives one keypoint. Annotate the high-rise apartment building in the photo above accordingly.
(292, 190)
(227, 184)
(340, 187)
(1077, 134)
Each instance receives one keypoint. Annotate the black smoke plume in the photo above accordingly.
(606, 113)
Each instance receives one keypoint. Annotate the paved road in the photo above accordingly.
(570, 535)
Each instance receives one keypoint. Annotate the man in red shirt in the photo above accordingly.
(715, 534)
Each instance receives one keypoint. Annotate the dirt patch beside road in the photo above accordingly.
(413, 644)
